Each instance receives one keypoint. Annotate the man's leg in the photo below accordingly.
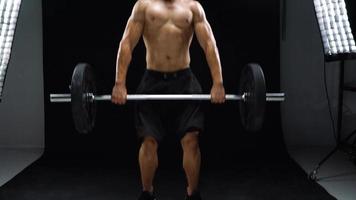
(148, 160)
(191, 160)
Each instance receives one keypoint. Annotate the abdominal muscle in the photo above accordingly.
(168, 48)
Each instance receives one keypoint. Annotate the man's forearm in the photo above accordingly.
(122, 63)
(213, 59)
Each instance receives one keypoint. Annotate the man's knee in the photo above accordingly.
(149, 145)
(190, 142)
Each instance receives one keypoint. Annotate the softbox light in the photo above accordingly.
(9, 10)
(335, 27)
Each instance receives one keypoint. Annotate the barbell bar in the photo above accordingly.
(251, 96)
(66, 98)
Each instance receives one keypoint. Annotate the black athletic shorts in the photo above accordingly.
(158, 118)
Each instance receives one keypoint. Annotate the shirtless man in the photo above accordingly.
(167, 27)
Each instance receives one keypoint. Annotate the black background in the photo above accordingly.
(90, 31)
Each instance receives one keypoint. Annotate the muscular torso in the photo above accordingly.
(167, 34)
(167, 27)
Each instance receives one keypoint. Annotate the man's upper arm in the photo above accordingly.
(202, 27)
(135, 24)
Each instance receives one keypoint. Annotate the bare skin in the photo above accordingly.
(167, 28)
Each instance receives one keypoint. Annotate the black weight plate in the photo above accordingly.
(83, 110)
(252, 82)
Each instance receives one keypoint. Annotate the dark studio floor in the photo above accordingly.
(60, 179)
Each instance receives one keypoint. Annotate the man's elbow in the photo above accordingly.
(210, 47)
(125, 46)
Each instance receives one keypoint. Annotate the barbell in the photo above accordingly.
(251, 96)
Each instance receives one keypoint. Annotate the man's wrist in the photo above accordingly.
(120, 83)
(219, 83)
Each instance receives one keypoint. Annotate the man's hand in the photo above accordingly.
(218, 93)
(119, 94)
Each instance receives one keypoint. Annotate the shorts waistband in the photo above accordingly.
(169, 75)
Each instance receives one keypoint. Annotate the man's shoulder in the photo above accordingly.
(142, 4)
(142, 1)
(194, 5)
(192, 2)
